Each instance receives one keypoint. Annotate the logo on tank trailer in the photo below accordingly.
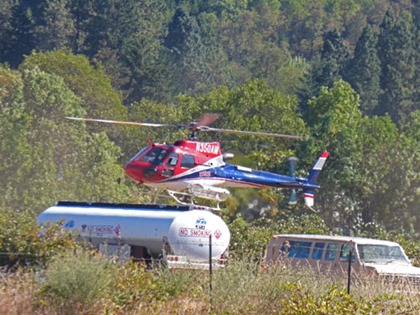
(200, 223)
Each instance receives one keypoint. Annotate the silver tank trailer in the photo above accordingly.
(157, 228)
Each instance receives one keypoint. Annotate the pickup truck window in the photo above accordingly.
(318, 249)
(331, 251)
(296, 249)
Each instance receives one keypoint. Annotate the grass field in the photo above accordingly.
(83, 283)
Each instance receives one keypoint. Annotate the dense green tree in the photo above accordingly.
(141, 29)
(14, 132)
(334, 55)
(305, 26)
(90, 83)
(253, 106)
(416, 79)
(364, 71)
(55, 28)
(48, 158)
(369, 175)
(20, 34)
(406, 175)
(416, 13)
(326, 70)
(396, 52)
(126, 36)
(6, 15)
(187, 50)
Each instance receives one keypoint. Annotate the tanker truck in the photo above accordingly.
(177, 235)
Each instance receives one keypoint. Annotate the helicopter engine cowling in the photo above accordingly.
(228, 156)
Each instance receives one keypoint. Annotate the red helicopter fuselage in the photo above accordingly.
(157, 163)
(198, 169)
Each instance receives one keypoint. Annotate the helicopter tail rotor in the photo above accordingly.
(292, 168)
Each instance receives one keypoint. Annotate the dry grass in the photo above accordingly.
(241, 288)
(17, 294)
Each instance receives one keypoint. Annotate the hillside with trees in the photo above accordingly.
(344, 74)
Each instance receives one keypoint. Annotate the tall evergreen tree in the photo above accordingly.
(329, 68)
(21, 33)
(55, 28)
(126, 37)
(6, 15)
(188, 51)
(334, 56)
(364, 71)
(416, 13)
(416, 81)
(396, 52)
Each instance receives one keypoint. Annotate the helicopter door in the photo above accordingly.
(188, 161)
(170, 164)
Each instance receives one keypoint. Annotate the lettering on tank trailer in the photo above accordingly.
(190, 232)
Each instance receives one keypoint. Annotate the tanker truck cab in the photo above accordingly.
(177, 235)
(330, 255)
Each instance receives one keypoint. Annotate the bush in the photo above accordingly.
(74, 283)
(22, 244)
(152, 288)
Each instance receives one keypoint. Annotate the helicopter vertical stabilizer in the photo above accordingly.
(312, 178)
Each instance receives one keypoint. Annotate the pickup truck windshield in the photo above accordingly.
(381, 254)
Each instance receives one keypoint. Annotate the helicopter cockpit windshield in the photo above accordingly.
(139, 154)
(155, 156)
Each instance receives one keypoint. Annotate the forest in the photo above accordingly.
(343, 74)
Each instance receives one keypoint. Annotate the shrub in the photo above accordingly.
(22, 244)
(137, 285)
(74, 283)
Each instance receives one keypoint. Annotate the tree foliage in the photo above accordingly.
(46, 157)
(275, 66)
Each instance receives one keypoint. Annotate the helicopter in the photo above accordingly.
(189, 169)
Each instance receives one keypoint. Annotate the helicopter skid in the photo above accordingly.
(210, 193)
(183, 201)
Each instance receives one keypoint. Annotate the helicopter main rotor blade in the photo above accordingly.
(253, 133)
(201, 126)
(121, 122)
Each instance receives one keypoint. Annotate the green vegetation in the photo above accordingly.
(83, 283)
(73, 283)
(343, 74)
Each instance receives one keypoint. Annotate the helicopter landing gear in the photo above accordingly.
(187, 199)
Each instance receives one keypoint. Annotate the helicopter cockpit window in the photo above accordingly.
(173, 159)
(187, 161)
(154, 156)
(139, 153)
